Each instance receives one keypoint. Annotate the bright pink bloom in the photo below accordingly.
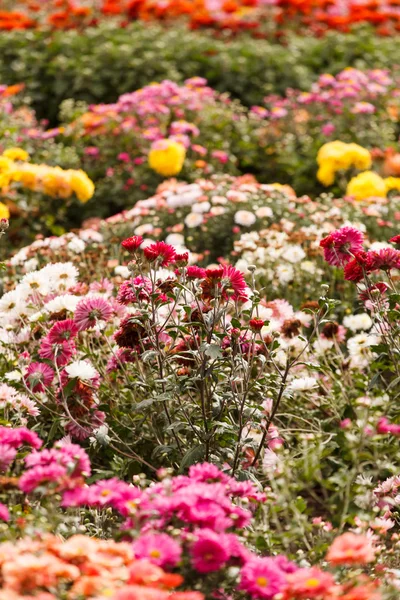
(62, 331)
(160, 549)
(195, 272)
(4, 514)
(262, 578)
(91, 310)
(130, 291)
(210, 551)
(7, 455)
(378, 289)
(160, 250)
(19, 436)
(340, 245)
(35, 477)
(384, 259)
(39, 376)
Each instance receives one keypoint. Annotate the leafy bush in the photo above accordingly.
(59, 65)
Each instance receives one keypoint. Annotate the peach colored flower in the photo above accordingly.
(351, 549)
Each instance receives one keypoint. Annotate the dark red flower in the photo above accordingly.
(395, 239)
(385, 259)
(195, 272)
(256, 324)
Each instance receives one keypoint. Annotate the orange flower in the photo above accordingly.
(351, 549)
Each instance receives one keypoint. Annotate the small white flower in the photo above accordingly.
(81, 369)
(35, 283)
(13, 376)
(144, 229)
(76, 245)
(264, 211)
(284, 273)
(293, 253)
(123, 271)
(193, 220)
(303, 384)
(66, 302)
(245, 218)
(90, 235)
(358, 322)
(175, 239)
(201, 207)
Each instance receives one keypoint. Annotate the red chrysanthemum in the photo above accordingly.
(63, 331)
(357, 267)
(132, 243)
(226, 282)
(38, 376)
(160, 250)
(384, 259)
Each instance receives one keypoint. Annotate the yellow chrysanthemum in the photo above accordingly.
(6, 164)
(4, 212)
(331, 152)
(81, 185)
(16, 154)
(367, 185)
(392, 183)
(166, 157)
(358, 156)
(326, 174)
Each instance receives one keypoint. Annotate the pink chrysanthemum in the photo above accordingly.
(379, 289)
(340, 245)
(82, 430)
(35, 477)
(63, 331)
(39, 376)
(4, 513)
(58, 353)
(210, 551)
(162, 251)
(262, 578)
(159, 548)
(104, 286)
(195, 272)
(384, 259)
(7, 455)
(19, 436)
(132, 243)
(91, 310)
(132, 291)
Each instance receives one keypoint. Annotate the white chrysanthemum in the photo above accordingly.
(193, 220)
(81, 369)
(144, 229)
(308, 266)
(360, 344)
(35, 283)
(19, 258)
(217, 211)
(245, 218)
(61, 275)
(11, 300)
(264, 211)
(175, 239)
(90, 235)
(186, 196)
(293, 253)
(66, 302)
(303, 384)
(358, 322)
(284, 273)
(321, 345)
(122, 271)
(76, 245)
(31, 265)
(201, 207)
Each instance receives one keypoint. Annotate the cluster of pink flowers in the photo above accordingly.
(344, 247)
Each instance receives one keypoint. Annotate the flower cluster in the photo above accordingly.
(337, 156)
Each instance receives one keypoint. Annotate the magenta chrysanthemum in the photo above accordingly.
(159, 548)
(39, 376)
(340, 245)
(60, 353)
(210, 551)
(262, 578)
(91, 310)
(63, 331)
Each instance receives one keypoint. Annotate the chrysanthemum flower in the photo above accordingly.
(351, 549)
(160, 250)
(340, 245)
(58, 353)
(39, 376)
(91, 310)
(62, 331)
(262, 578)
(384, 259)
(159, 548)
(132, 243)
(210, 551)
(227, 282)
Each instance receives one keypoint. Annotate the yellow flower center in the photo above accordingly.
(105, 493)
(155, 553)
(262, 581)
(312, 583)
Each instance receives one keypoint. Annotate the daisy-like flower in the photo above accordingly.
(262, 578)
(159, 548)
(162, 251)
(83, 370)
(226, 282)
(63, 303)
(384, 259)
(35, 283)
(358, 267)
(61, 275)
(351, 549)
(340, 245)
(58, 353)
(39, 376)
(309, 583)
(91, 310)
(210, 551)
(62, 331)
